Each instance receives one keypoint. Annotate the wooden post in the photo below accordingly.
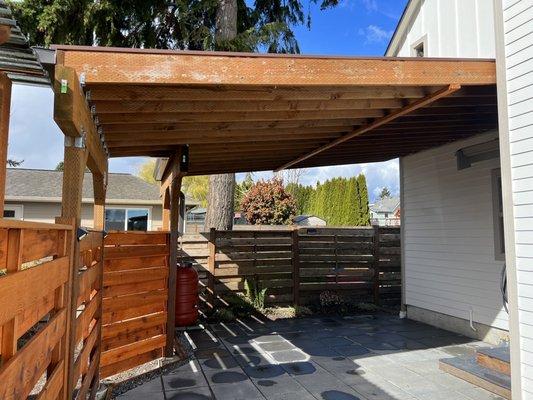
(212, 248)
(175, 190)
(13, 262)
(295, 267)
(99, 190)
(166, 210)
(5, 108)
(75, 161)
(376, 264)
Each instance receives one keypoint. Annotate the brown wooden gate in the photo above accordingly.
(135, 299)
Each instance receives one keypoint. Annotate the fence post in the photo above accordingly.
(376, 264)
(211, 296)
(295, 267)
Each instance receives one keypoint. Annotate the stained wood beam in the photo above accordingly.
(73, 116)
(160, 67)
(229, 117)
(157, 107)
(221, 127)
(5, 110)
(250, 93)
(376, 124)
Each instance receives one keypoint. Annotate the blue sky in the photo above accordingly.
(355, 27)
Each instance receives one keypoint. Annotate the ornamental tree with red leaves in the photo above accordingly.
(267, 203)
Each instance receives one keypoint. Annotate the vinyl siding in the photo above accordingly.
(517, 62)
(46, 212)
(453, 28)
(450, 264)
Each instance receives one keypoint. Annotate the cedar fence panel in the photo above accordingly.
(361, 262)
(86, 325)
(134, 302)
(35, 264)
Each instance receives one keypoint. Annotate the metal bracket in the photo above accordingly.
(76, 141)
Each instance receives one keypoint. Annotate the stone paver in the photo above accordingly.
(317, 358)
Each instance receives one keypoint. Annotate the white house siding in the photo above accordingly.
(515, 59)
(449, 260)
(454, 28)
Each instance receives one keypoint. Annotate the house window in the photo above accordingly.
(13, 211)
(418, 49)
(497, 210)
(127, 219)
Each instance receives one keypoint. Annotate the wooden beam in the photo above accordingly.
(144, 106)
(250, 93)
(380, 122)
(5, 110)
(73, 116)
(127, 66)
(195, 128)
(259, 116)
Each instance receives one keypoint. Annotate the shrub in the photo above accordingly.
(255, 295)
(268, 203)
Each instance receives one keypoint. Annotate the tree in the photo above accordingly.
(385, 193)
(196, 187)
(364, 211)
(242, 188)
(146, 171)
(60, 166)
(268, 203)
(302, 195)
(221, 195)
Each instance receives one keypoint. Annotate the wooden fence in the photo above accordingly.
(296, 265)
(86, 315)
(135, 299)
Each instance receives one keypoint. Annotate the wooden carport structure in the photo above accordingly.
(249, 112)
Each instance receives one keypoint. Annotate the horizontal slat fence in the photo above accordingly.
(86, 326)
(296, 265)
(35, 263)
(135, 294)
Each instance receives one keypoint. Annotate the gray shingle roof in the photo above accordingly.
(16, 56)
(46, 184)
(386, 205)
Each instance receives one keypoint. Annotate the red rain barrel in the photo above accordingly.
(186, 295)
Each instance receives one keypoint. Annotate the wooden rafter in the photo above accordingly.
(376, 124)
(73, 116)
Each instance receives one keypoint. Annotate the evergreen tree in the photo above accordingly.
(385, 193)
(364, 217)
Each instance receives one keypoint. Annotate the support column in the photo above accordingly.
(75, 161)
(5, 108)
(99, 190)
(175, 175)
(166, 210)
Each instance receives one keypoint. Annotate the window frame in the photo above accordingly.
(126, 208)
(17, 208)
(497, 215)
(423, 41)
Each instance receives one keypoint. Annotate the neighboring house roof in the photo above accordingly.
(16, 56)
(401, 29)
(46, 186)
(386, 205)
(300, 218)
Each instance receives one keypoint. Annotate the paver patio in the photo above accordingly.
(380, 357)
